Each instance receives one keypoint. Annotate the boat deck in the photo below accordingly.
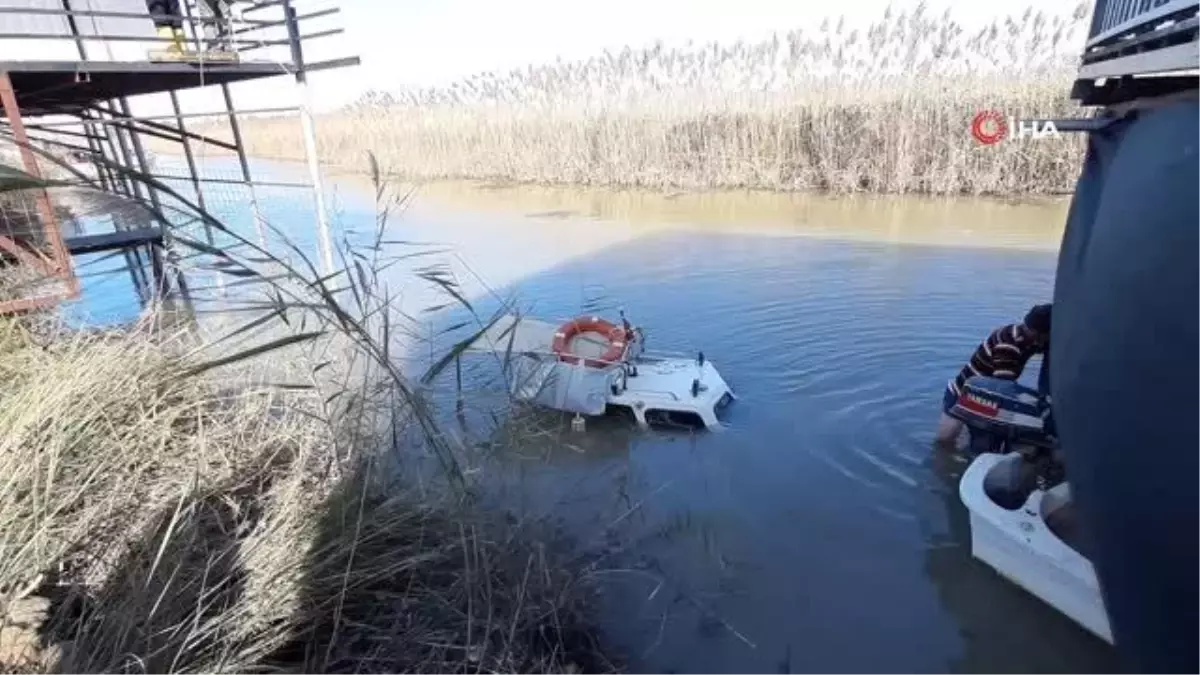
(666, 384)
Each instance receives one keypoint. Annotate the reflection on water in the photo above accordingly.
(896, 219)
(820, 532)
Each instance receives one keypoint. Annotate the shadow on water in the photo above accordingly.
(817, 532)
(404, 582)
(392, 581)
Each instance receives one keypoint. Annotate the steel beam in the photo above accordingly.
(59, 264)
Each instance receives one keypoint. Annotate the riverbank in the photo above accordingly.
(178, 503)
(887, 109)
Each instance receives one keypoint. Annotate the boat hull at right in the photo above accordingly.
(1021, 545)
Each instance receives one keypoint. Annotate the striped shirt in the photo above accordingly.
(1003, 354)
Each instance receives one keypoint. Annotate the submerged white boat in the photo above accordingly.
(589, 366)
(1023, 530)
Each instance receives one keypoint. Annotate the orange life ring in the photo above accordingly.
(617, 336)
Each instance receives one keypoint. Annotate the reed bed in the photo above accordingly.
(245, 498)
(882, 109)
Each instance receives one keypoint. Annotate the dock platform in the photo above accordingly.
(67, 71)
(1138, 50)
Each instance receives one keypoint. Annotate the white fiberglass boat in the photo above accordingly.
(588, 365)
(1024, 530)
(1023, 545)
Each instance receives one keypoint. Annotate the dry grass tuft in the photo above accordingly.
(159, 522)
(183, 496)
(885, 109)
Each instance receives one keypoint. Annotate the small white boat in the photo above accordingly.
(1023, 529)
(588, 366)
(1022, 544)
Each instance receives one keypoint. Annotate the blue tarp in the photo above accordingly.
(1124, 377)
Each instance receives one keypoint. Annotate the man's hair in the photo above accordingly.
(1038, 319)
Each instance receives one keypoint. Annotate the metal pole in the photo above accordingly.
(108, 181)
(324, 239)
(66, 5)
(191, 23)
(97, 151)
(191, 162)
(117, 181)
(160, 276)
(148, 126)
(139, 153)
(137, 272)
(125, 161)
(259, 224)
(148, 119)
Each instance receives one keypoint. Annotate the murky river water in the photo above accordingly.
(820, 532)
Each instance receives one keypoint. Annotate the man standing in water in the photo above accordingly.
(1003, 355)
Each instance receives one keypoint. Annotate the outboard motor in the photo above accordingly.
(1002, 417)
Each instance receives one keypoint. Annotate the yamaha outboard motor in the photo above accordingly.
(1002, 417)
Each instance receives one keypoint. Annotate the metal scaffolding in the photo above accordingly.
(78, 109)
(1138, 49)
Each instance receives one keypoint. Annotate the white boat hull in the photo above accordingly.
(666, 385)
(1021, 546)
(648, 384)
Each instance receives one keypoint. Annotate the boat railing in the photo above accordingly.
(1144, 47)
(644, 357)
(654, 392)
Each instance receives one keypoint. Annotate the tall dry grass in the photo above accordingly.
(885, 109)
(175, 502)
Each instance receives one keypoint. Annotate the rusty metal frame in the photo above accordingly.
(112, 134)
(58, 264)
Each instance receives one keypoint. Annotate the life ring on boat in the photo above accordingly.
(618, 339)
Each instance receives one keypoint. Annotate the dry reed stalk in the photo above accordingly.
(886, 109)
(174, 503)
(173, 523)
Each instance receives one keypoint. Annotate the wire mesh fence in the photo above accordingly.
(87, 134)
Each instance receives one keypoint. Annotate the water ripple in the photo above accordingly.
(839, 354)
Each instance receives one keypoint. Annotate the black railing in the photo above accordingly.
(1139, 48)
(259, 25)
(1112, 18)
